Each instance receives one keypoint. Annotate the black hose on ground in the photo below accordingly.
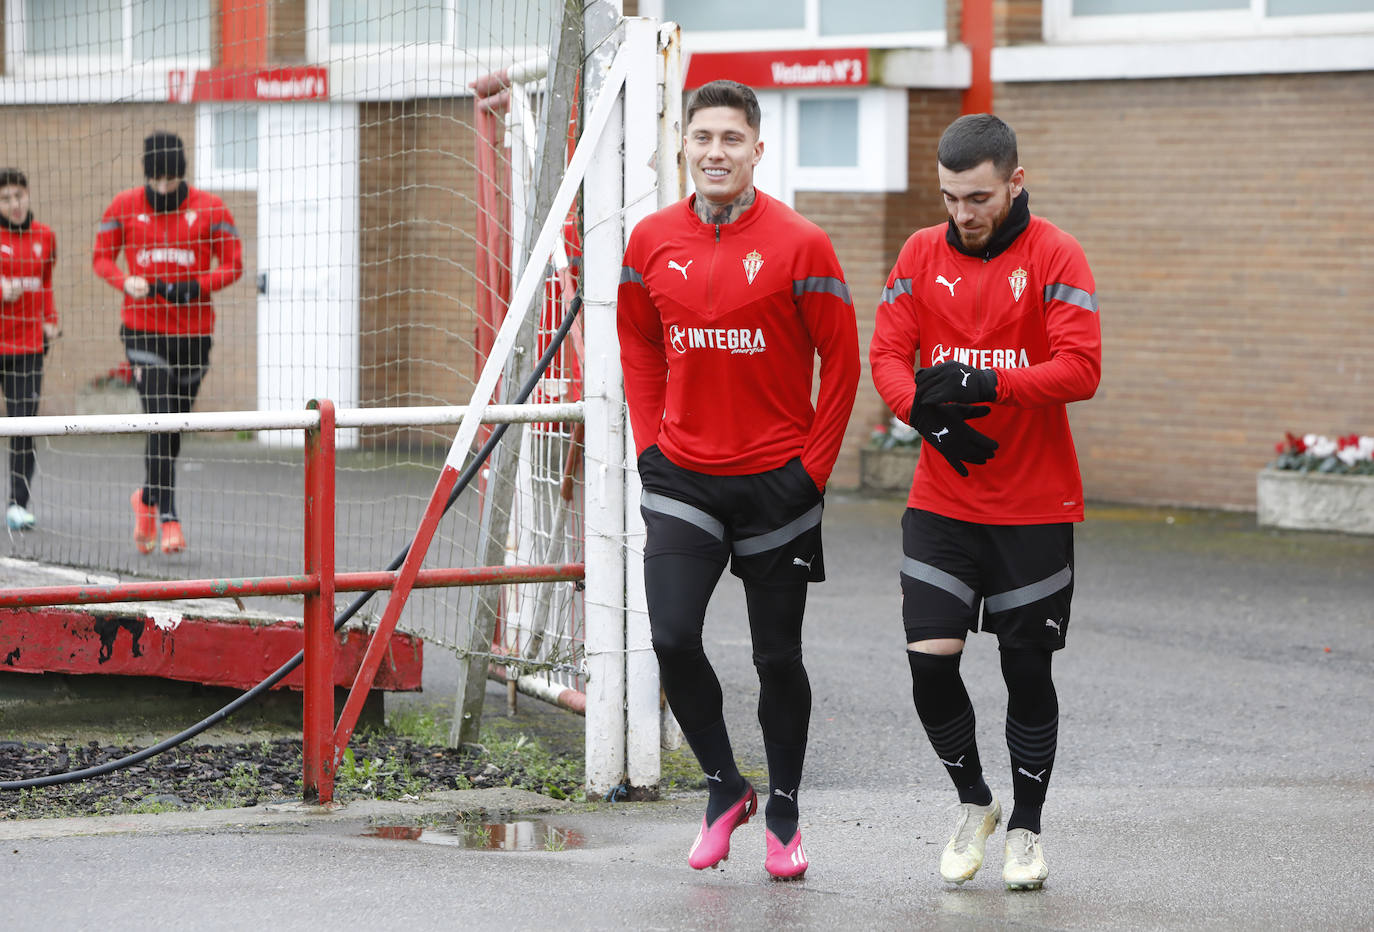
(468, 474)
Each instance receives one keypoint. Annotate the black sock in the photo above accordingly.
(784, 780)
(943, 705)
(711, 746)
(775, 623)
(1032, 731)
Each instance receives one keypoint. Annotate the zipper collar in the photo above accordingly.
(1013, 226)
(746, 219)
(169, 202)
(17, 227)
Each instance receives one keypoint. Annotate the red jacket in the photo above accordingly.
(1030, 314)
(27, 256)
(174, 246)
(719, 329)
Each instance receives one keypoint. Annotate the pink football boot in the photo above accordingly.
(785, 862)
(713, 841)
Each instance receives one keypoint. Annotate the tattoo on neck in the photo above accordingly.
(710, 212)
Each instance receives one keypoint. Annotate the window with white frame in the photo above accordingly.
(81, 36)
(846, 141)
(1123, 20)
(440, 28)
(726, 25)
(227, 139)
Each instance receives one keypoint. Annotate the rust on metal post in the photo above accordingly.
(365, 581)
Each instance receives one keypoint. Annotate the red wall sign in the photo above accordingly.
(791, 68)
(308, 82)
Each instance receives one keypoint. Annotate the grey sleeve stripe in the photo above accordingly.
(223, 227)
(652, 501)
(628, 274)
(899, 287)
(822, 284)
(107, 225)
(1071, 295)
(1015, 598)
(924, 572)
(774, 539)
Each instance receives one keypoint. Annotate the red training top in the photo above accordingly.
(27, 258)
(1030, 314)
(719, 328)
(175, 246)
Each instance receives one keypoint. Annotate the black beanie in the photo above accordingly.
(163, 156)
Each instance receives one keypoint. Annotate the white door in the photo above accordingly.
(308, 261)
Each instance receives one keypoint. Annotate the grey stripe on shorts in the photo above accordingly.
(147, 358)
(673, 508)
(1025, 595)
(933, 575)
(773, 539)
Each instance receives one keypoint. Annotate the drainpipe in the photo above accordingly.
(976, 32)
(243, 33)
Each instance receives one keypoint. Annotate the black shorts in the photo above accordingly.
(1020, 576)
(766, 525)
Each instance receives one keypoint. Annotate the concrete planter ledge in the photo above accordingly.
(1315, 501)
(887, 472)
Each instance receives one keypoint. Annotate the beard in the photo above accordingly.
(974, 243)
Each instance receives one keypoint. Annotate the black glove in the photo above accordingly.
(177, 292)
(954, 381)
(943, 430)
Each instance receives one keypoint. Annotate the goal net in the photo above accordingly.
(367, 182)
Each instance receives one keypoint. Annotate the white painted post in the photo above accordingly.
(643, 98)
(603, 245)
(672, 174)
(672, 187)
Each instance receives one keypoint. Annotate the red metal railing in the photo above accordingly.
(323, 741)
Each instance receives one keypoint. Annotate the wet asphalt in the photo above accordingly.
(1215, 770)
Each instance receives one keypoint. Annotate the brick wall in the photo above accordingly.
(1018, 22)
(77, 158)
(286, 28)
(417, 216)
(1229, 229)
(1015, 22)
(867, 231)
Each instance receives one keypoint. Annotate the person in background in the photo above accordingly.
(180, 246)
(28, 325)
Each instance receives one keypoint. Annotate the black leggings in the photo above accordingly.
(21, 377)
(678, 587)
(168, 369)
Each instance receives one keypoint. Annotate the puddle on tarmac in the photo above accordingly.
(486, 836)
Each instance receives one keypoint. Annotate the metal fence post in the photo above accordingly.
(318, 716)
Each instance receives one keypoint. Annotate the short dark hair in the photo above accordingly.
(9, 176)
(976, 138)
(725, 93)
